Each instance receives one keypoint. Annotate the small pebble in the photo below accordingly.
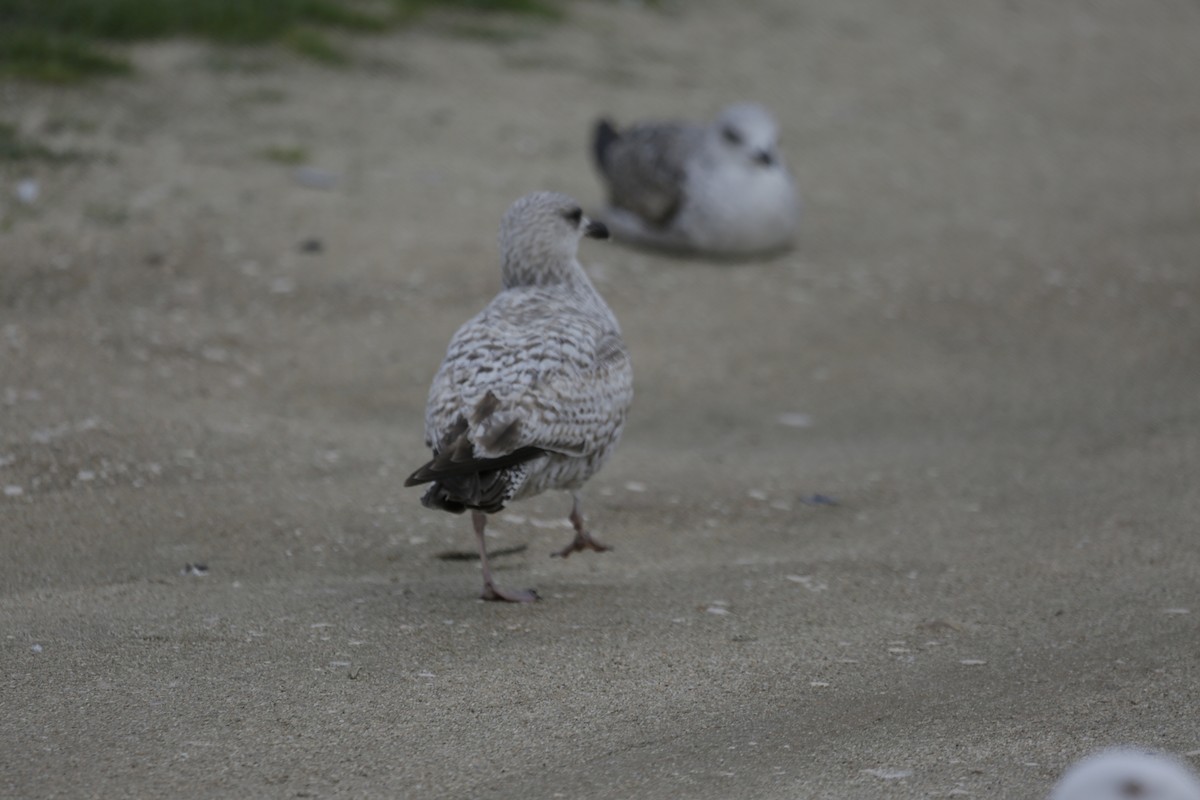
(27, 191)
(808, 582)
(313, 178)
(889, 774)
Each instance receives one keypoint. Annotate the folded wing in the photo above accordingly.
(489, 414)
(645, 167)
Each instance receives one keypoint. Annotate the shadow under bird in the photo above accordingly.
(534, 390)
(720, 189)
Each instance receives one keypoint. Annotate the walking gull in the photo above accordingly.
(1127, 775)
(534, 389)
(720, 189)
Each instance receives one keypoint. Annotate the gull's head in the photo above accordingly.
(1127, 775)
(540, 235)
(748, 131)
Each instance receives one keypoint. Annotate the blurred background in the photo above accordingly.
(907, 511)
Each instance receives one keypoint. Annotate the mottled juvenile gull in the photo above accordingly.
(721, 189)
(1127, 775)
(534, 390)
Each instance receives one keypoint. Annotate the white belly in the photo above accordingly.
(741, 209)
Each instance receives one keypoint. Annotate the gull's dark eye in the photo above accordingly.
(731, 135)
(574, 216)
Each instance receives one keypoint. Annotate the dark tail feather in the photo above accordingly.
(603, 136)
(484, 491)
(459, 484)
(446, 465)
(437, 496)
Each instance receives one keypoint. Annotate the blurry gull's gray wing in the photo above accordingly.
(645, 166)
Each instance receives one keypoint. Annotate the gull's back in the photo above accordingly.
(535, 388)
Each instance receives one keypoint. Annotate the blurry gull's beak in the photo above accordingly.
(764, 158)
(595, 230)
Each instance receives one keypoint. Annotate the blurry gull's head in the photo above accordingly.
(749, 130)
(1127, 775)
(539, 236)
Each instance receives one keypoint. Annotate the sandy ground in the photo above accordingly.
(986, 348)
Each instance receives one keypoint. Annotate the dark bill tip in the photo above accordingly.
(596, 230)
(764, 158)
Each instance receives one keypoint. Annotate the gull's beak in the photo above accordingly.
(594, 229)
(764, 158)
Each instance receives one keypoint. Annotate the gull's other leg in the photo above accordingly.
(583, 540)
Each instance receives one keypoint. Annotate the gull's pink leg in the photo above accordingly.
(583, 540)
(490, 590)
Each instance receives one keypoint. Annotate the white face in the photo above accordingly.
(748, 131)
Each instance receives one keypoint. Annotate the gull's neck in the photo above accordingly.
(517, 272)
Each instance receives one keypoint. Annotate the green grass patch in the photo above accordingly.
(13, 147)
(63, 40)
(244, 21)
(314, 44)
(52, 57)
(290, 155)
(536, 8)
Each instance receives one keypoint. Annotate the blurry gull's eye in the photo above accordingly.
(574, 216)
(1132, 788)
(731, 135)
